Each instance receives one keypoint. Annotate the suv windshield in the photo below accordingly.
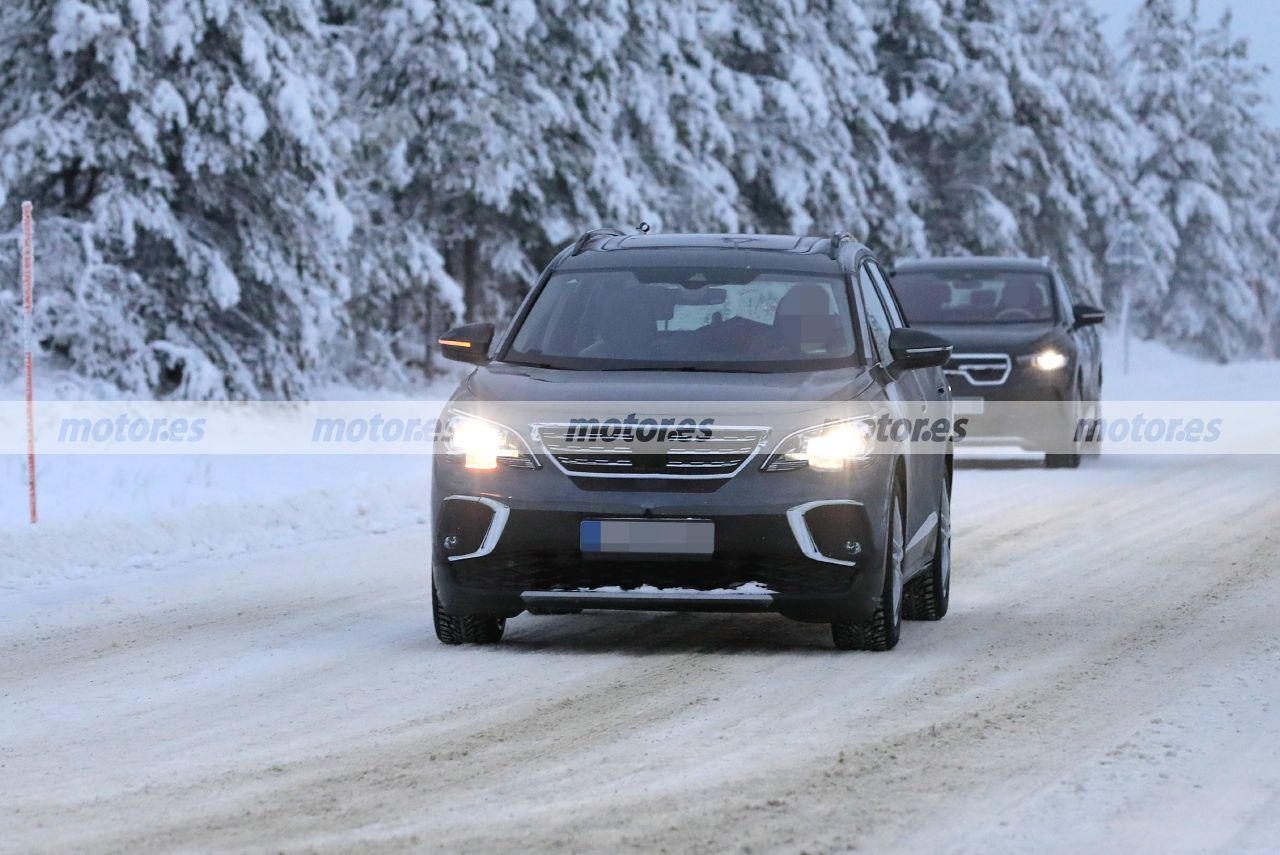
(687, 318)
(974, 296)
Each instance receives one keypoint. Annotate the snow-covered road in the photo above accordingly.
(1109, 676)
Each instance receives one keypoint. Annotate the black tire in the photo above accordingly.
(1062, 461)
(882, 630)
(1094, 448)
(465, 629)
(927, 596)
(1071, 460)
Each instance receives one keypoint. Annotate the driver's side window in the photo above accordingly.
(878, 320)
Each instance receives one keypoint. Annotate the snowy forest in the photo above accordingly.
(253, 199)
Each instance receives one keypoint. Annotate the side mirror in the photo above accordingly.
(1086, 315)
(918, 349)
(468, 343)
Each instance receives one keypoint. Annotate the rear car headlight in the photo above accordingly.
(1049, 360)
(483, 445)
(830, 446)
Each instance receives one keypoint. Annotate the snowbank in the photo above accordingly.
(152, 518)
(1158, 374)
(120, 512)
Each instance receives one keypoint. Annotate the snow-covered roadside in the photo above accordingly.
(1158, 374)
(153, 513)
(136, 512)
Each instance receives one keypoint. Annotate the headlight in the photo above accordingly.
(483, 444)
(830, 446)
(1049, 360)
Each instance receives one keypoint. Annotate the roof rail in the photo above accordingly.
(581, 243)
(837, 239)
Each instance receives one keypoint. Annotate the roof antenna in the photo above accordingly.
(643, 228)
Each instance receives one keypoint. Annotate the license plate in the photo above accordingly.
(970, 406)
(653, 537)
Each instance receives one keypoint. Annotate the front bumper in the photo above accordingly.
(805, 544)
(1031, 409)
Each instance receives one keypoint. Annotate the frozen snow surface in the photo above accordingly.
(1158, 374)
(111, 512)
(196, 662)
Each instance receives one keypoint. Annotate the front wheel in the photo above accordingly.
(465, 629)
(927, 596)
(1062, 461)
(1072, 459)
(1093, 436)
(882, 630)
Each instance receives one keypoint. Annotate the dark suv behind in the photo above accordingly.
(1017, 337)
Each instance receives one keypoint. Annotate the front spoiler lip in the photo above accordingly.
(650, 601)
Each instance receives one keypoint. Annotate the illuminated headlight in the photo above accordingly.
(828, 447)
(1049, 360)
(483, 444)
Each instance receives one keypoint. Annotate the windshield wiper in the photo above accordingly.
(536, 365)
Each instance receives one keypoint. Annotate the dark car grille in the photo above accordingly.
(584, 451)
(981, 369)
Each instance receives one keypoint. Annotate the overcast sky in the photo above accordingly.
(1258, 20)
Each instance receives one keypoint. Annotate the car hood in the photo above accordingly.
(499, 382)
(993, 338)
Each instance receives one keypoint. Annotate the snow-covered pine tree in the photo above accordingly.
(919, 58)
(1008, 126)
(809, 115)
(659, 136)
(694, 116)
(1269, 296)
(950, 67)
(1248, 151)
(531, 149)
(1068, 99)
(412, 96)
(185, 157)
(1195, 94)
(476, 152)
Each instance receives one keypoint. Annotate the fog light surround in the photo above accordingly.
(830, 540)
(473, 523)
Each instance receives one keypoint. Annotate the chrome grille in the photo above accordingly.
(981, 369)
(586, 452)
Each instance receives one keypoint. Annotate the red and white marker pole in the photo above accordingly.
(28, 262)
